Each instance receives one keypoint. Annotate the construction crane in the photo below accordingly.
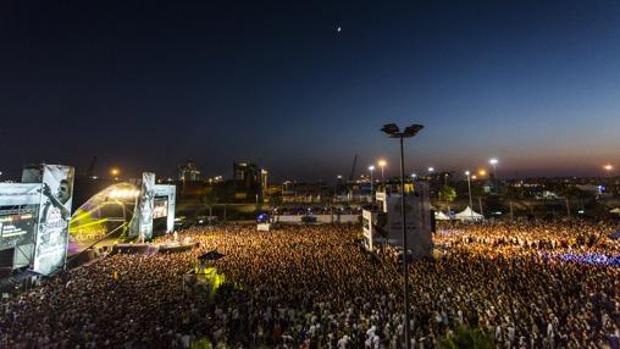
(352, 174)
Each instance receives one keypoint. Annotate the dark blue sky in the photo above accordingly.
(147, 85)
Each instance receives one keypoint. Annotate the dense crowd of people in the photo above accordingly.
(315, 287)
(563, 236)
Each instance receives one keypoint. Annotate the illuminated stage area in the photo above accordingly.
(124, 212)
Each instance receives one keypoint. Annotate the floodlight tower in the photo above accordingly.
(468, 174)
(371, 168)
(392, 131)
(382, 163)
(494, 163)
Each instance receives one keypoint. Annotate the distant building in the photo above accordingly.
(246, 171)
(438, 180)
(251, 181)
(306, 192)
(188, 172)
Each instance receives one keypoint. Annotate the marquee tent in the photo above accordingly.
(440, 216)
(469, 215)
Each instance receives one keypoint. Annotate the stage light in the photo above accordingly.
(382, 164)
(115, 172)
(124, 194)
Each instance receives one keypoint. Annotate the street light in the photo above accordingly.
(382, 164)
(494, 163)
(468, 174)
(371, 168)
(392, 131)
(431, 169)
(608, 168)
(115, 172)
(414, 176)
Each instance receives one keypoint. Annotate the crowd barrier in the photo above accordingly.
(320, 218)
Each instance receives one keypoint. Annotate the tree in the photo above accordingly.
(209, 200)
(465, 337)
(202, 343)
(447, 194)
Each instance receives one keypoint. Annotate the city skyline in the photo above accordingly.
(301, 88)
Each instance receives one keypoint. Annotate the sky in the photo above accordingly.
(147, 85)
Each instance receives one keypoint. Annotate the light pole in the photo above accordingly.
(338, 188)
(608, 168)
(382, 164)
(493, 163)
(392, 131)
(468, 174)
(371, 168)
(115, 172)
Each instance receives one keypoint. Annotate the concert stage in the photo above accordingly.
(167, 247)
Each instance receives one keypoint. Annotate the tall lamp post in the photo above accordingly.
(392, 131)
(493, 163)
(371, 168)
(468, 174)
(382, 164)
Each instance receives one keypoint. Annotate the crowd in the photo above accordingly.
(565, 236)
(315, 287)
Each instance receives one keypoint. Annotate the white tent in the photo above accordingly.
(469, 215)
(440, 216)
(615, 210)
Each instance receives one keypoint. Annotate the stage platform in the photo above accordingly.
(168, 247)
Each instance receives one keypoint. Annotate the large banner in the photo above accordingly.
(142, 221)
(19, 205)
(54, 215)
(418, 216)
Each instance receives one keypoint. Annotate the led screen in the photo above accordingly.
(160, 207)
